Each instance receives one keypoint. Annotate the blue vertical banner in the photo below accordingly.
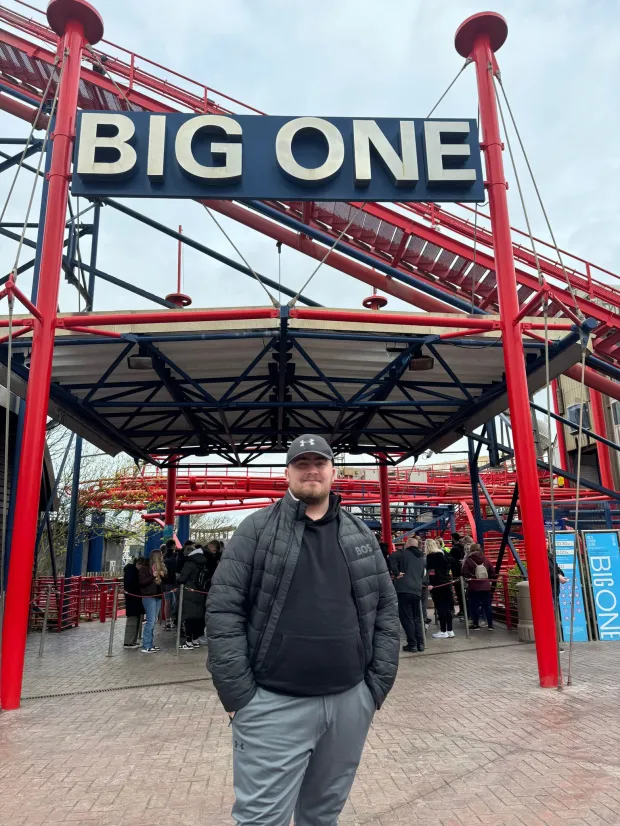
(565, 558)
(604, 565)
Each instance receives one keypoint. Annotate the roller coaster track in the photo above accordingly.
(446, 251)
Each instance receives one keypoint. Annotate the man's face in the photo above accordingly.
(310, 478)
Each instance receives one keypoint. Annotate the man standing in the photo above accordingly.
(408, 566)
(303, 635)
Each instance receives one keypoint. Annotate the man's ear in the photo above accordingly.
(286, 473)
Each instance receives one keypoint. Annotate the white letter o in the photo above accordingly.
(335, 150)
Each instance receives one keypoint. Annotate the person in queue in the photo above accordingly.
(408, 567)
(183, 553)
(152, 578)
(440, 578)
(170, 584)
(194, 577)
(134, 610)
(216, 547)
(457, 555)
(479, 571)
(302, 623)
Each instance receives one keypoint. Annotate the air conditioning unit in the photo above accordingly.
(573, 414)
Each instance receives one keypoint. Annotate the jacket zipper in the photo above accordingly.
(357, 605)
(273, 599)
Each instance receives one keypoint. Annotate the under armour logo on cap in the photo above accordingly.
(308, 444)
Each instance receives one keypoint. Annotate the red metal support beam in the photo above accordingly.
(386, 516)
(171, 499)
(595, 381)
(479, 37)
(77, 23)
(602, 451)
(20, 110)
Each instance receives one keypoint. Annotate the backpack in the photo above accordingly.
(203, 580)
(481, 572)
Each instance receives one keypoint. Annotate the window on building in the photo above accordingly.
(572, 414)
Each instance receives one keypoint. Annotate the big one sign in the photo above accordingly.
(245, 157)
(604, 561)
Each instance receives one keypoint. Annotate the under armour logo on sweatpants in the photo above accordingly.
(305, 442)
(238, 745)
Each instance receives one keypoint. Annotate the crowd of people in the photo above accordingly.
(152, 591)
(424, 566)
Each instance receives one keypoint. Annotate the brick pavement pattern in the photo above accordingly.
(465, 738)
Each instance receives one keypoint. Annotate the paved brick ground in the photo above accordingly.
(465, 738)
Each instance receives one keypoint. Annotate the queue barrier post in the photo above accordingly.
(462, 586)
(179, 619)
(423, 618)
(45, 619)
(113, 621)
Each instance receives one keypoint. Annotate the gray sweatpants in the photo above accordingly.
(298, 754)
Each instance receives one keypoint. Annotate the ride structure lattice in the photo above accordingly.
(420, 254)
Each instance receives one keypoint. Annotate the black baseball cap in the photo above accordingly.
(308, 444)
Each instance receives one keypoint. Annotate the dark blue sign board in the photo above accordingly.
(604, 566)
(246, 157)
(565, 558)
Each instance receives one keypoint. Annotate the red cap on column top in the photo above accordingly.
(485, 22)
(61, 12)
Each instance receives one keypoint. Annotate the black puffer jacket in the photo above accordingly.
(411, 563)
(250, 586)
(193, 600)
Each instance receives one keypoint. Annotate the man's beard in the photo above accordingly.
(311, 498)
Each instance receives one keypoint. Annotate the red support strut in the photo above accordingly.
(479, 37)
(77, 23)
(171, 499)
(600, 428)
(384, 492)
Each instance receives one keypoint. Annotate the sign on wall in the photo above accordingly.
(604, 566)
(564, 552)
(143, 155)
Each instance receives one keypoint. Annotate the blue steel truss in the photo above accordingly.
(267, 404)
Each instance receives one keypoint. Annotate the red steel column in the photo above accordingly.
(563, 452)
(171, 499)
(600, 428)
(384, 492)
(479, 37)
(77, 23)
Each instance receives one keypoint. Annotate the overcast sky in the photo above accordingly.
(560, 66)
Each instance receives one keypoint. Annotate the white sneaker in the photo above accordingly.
(441, 635)
(449, 633)
(201, 641)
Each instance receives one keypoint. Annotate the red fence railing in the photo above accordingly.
(73, 599)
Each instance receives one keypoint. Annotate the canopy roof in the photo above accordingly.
(234, 385)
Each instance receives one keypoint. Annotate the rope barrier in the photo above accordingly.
(149, 596)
